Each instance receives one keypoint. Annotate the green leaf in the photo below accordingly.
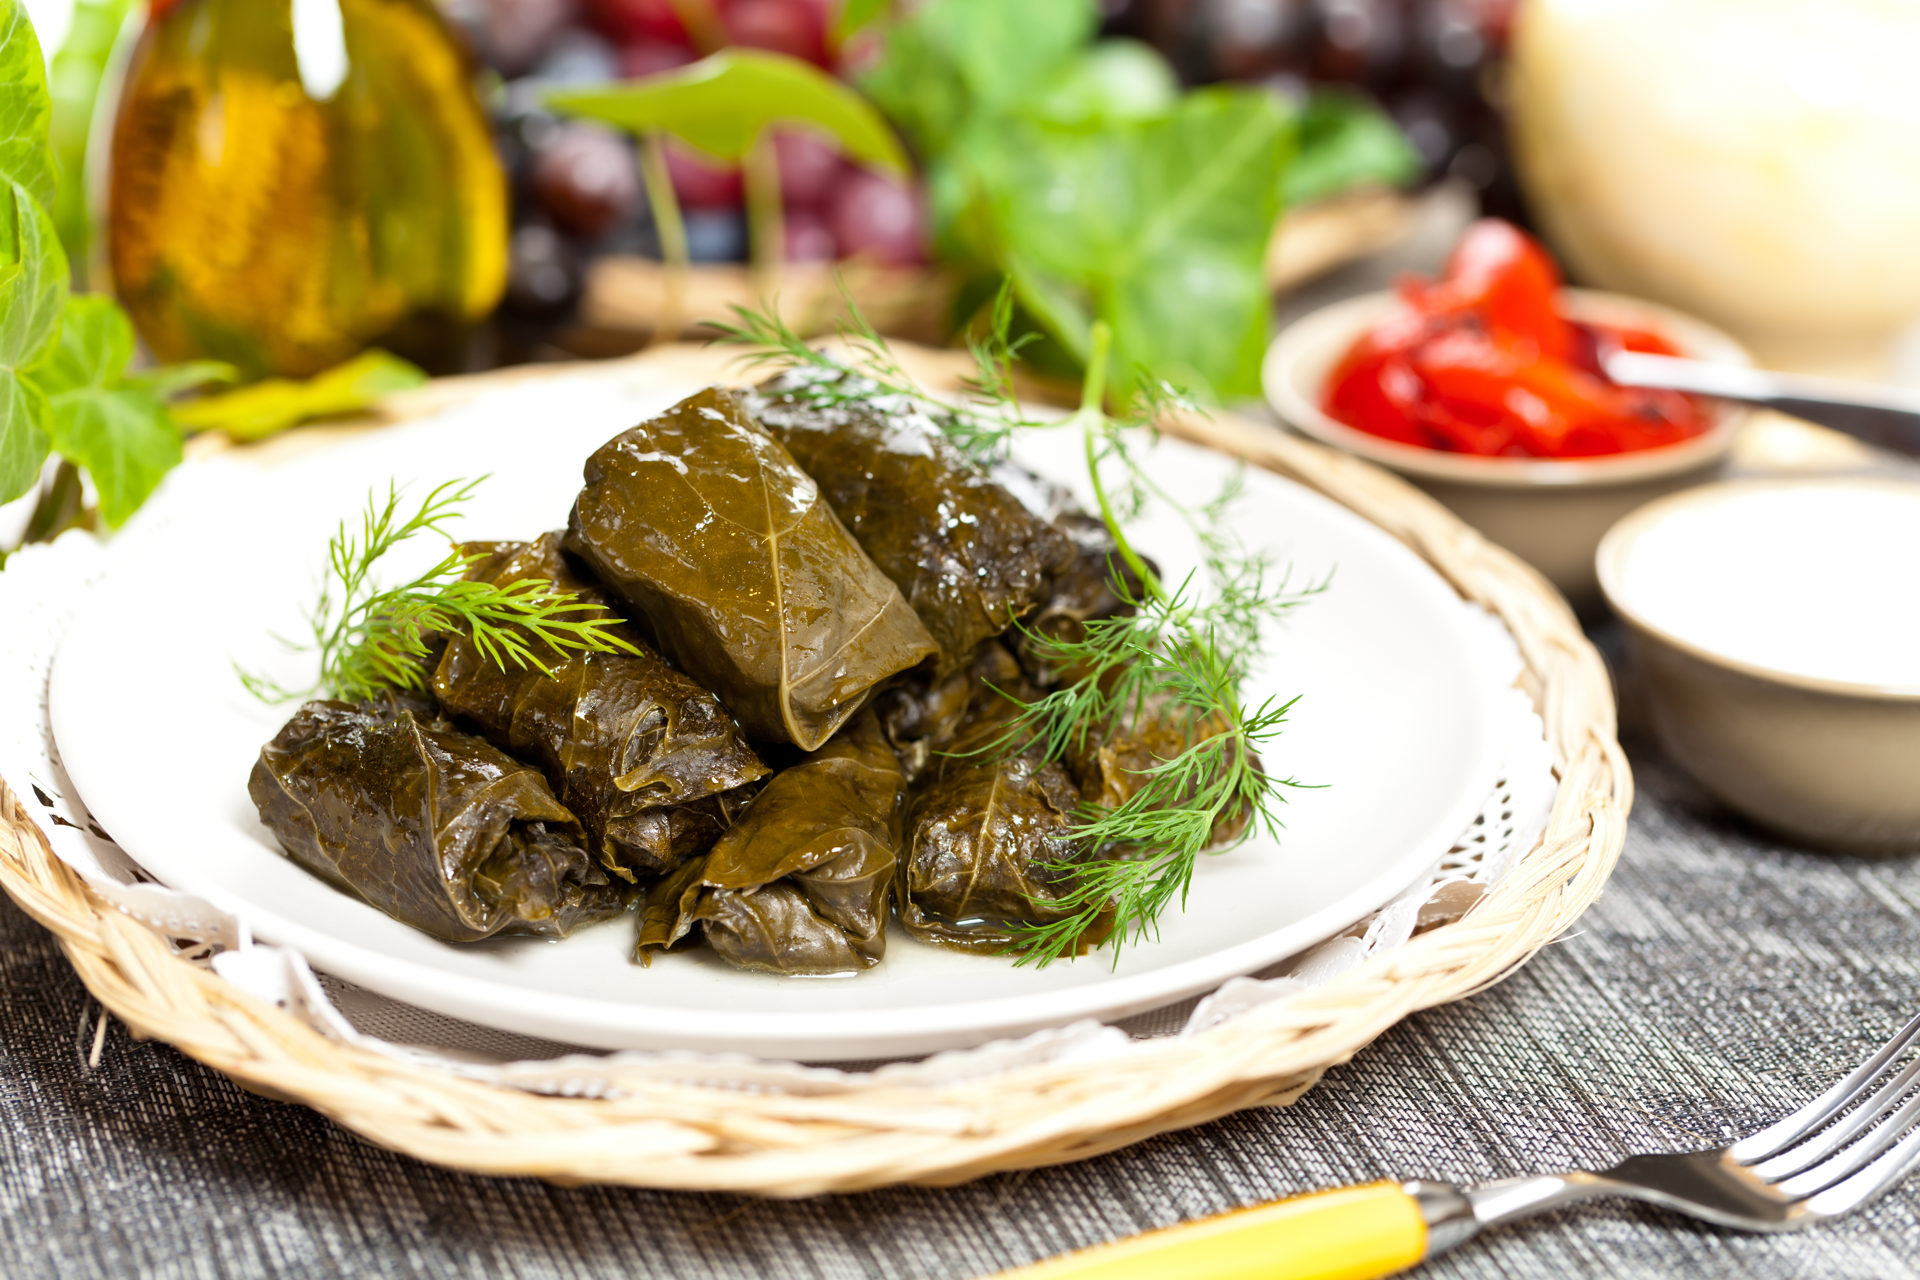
(960, 60)
(33, 285)
(25, 156)
(265, 408)
(1158, 227)
(172, 380)
(123, 437)
(1346, 142)
(856, 16)
(119, 431)
(33, 278)
(24, 438)
(74, 83)
(1112, 81)
(94, 347)
(723, 103)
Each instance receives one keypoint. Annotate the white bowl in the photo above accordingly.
(1792, 703)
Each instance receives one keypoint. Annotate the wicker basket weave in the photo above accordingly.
(720, 1135)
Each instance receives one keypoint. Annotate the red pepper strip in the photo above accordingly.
(1507, 280)
(1372, 388)
(1483, 363)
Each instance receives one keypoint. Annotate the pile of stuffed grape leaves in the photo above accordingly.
(819, 631)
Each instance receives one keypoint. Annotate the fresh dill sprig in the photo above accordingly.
(1175, 657)
(982, 426)
(369, 638)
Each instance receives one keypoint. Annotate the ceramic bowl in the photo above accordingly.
(1550, 512)
(1832, 763)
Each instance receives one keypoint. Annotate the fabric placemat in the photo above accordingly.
(1721, 980)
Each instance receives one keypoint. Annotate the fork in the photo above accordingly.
(1830, 1157)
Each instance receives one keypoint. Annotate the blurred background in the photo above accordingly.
(273, 188)
(1750, 162)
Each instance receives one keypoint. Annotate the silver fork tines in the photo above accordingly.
(1784, 1134)
(1830, 1157)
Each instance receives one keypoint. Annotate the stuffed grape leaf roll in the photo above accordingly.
(706, 526)
(437, 828)
(630, 745)
(1112, 766)
(967, 554)
(799, 884)
(989, 835)
(920, 714)
(1082, 591)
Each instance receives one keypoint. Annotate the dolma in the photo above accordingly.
(437, 828)
(990, 840)
(967, 554)
(921, 713)
(799, 884)
(1111, 767)
(1080, 592)
(707, 527)
(635, 749)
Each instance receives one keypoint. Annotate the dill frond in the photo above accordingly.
(369, 638)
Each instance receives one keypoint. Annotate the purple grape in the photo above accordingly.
(699, 182)
(716, 235)
(1252, 38)
(879, 218)
(793, 27)
(579, 57)
(642, 58)
(1431, 123)
(525, 128)
(1452, 46)
(543, 273)
(1361, 41)
(809, 167)
(514, 35)
(807, 238)
(587, 179)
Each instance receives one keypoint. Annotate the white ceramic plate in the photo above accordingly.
(158, 735)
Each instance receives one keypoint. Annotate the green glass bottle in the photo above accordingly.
(295, 180)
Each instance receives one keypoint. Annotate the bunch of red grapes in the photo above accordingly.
(577, 185)
(1434, 65)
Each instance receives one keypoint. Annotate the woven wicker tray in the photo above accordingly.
(720, 1133)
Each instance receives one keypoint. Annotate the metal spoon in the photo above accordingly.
(1885, 416)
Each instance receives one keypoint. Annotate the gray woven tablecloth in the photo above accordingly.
(1721, 980)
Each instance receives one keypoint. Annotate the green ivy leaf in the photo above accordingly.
(956, 61)
(170, 380)
(118, 430)
(1159, 227)
(856, 16)
(93, 349)
(261, 410)
(1346, 142)
(123, 437)
(25, 440)
(25, 155)
(33, 285)
(724, 102)
(1111, 81)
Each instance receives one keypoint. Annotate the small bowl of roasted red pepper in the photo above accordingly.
(1485, 387)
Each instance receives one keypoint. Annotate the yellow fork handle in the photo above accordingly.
(1356, 1233)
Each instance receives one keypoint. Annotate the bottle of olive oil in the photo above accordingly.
(295, 180)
